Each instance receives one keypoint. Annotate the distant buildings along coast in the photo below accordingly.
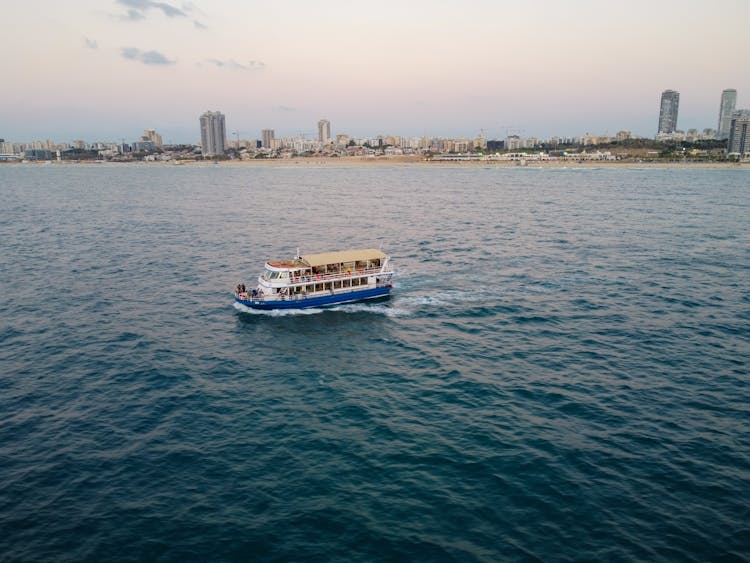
(729, 138)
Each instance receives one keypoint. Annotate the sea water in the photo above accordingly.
(561, 372)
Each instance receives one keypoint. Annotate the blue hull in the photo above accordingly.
(322, 301)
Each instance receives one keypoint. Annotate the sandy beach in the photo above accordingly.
(407, 161)
(421, 161)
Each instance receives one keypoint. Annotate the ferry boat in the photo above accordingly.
(319, 280)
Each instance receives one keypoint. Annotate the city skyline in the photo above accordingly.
(106, 70)
(214, 140)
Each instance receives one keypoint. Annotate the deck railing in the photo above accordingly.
(248, 296)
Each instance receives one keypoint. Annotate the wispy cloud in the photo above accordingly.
(234, 65)
(199, 25)
(146, 57)
(133, 16)
(136, 9)
(90, 43)
(285, 108)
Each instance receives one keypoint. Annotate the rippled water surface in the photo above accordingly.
(561, 373)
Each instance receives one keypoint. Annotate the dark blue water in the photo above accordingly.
(561, 374)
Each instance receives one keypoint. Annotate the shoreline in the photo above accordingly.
(400, 161)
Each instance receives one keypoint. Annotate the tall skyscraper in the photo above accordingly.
(324, 131)
(267, 135)
(739, 132)
(213, 133)
(726, 109)
(670, 103)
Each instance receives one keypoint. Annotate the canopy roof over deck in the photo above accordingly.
(343, 257)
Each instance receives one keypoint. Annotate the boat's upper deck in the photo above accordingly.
(345, 257)
(294, 264)
(365, 258)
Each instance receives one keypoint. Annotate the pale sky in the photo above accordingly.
(107, 69)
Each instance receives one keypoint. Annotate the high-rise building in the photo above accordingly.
(267, 135)
(213, 133)
(513, 142)
(726, 109)
(670, 103)
(153, 136)
(324, 131)
(739, 132)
